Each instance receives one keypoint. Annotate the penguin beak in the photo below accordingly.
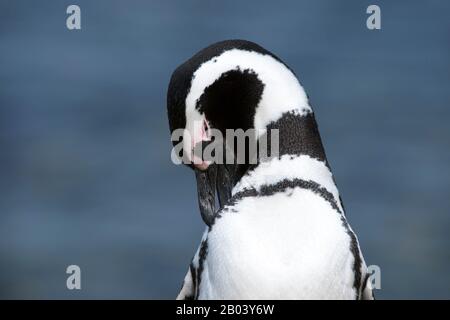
(206, 190)
(212, 179)
(216, 179)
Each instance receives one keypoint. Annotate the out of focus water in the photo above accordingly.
(85, 170)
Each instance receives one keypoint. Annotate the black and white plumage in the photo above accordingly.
(280, 231)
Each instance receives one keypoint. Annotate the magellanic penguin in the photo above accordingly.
(278, 229)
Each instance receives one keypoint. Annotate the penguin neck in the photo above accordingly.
(298, 134)
(300, 152)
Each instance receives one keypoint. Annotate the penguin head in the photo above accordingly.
(233, 84)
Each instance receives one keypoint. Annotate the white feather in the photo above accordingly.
(282, 91)
(279, 247)
(289, 167)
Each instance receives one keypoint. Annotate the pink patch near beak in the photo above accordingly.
(204, 136)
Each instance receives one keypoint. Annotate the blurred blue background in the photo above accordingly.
(85, 170)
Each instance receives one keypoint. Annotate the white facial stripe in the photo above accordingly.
(282, 91)
(302, 167)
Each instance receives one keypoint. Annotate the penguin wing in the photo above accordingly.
(187, 291)
(366, 290)
(191, 283)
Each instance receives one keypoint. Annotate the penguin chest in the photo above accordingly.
(290, 245)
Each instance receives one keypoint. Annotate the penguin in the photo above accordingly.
(278, 229)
